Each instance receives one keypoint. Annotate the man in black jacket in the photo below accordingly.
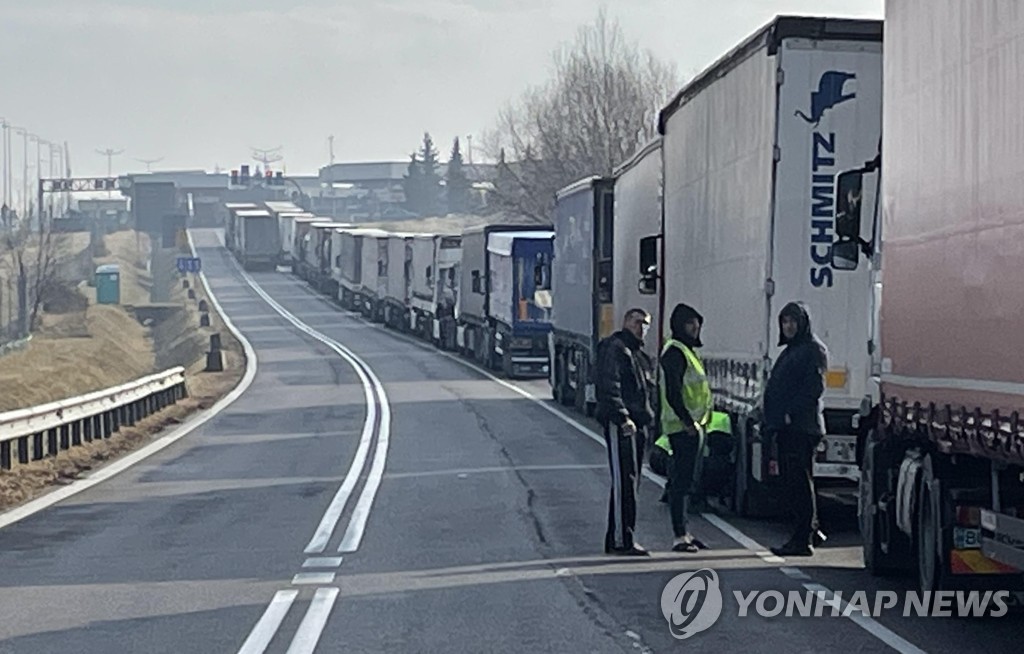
(794, 413)
(623, 382)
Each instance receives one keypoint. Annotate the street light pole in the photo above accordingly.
(24, 171)
(6, 171)
(109, 154)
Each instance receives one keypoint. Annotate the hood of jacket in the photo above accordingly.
(799, 312)
(682, 314)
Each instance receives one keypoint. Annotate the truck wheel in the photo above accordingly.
(928, 534)
(506, 364)
(875, 524)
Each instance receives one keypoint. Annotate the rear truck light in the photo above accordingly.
(974, 562)
(836, 378)
(968, 516)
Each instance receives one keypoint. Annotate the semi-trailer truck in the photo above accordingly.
(581, 280)
(257, 240)
(445, 289)
(637, 216)
(942, 482)
(505, 298)
(750, 151)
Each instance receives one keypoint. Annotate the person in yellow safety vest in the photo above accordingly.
(717, 445)
(685, 410)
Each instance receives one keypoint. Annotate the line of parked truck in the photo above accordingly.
(751, 196)
(469, 284)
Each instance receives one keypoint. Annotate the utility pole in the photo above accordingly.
(4, 199)
(330, 175)
(110, 154)
(149, 163)
(24, 172)
(469, 149)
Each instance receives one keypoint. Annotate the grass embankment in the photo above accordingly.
(101, 346)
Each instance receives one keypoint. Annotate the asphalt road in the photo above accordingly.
(368, 493)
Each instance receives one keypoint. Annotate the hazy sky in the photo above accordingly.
(198, 82)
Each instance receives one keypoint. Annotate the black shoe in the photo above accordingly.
(635, 550)
(793, 549)
(664, 497)
(689, 544)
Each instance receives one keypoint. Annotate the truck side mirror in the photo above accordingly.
(649, 255)
(849, 191)
(845, 255)
(648, 284)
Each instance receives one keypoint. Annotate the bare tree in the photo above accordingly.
(600, 105)
(32, 259)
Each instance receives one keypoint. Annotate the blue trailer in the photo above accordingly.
(505, 298)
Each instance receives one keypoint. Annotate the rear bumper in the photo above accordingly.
(529, 366)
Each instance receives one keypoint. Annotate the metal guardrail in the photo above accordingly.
(43, 431)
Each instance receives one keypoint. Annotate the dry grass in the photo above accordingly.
(55, 366)
(106, 346)
(81, 352)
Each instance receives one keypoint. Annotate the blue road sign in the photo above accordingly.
(189, 264)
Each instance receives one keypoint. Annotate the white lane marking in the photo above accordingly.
(887, 636)
(357, 524)
(269, 623)
(322, 562)
(312, 626)
(371, 384)
(190, 425)
(313, 578)
(794, 573)
(744, 540)
(866, 623)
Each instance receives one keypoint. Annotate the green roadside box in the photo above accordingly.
(108, 284)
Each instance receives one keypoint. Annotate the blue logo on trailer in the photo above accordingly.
(189, 264)
(830, 94)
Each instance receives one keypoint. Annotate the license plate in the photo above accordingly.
(966, 538)
(841, 451)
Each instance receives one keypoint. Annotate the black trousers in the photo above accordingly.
(796, 460)
(625, 458)
(681, 467)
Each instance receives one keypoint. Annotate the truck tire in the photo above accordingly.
(876, 525)
(928, 536)
(561, 391)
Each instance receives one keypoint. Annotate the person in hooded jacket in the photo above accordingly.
(685, 411)
(623, 381)
(793, 411)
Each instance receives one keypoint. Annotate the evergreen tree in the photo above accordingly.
(413, 186)
(430, 181)
(456, 182)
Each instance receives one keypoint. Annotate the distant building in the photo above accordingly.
(373, 191)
